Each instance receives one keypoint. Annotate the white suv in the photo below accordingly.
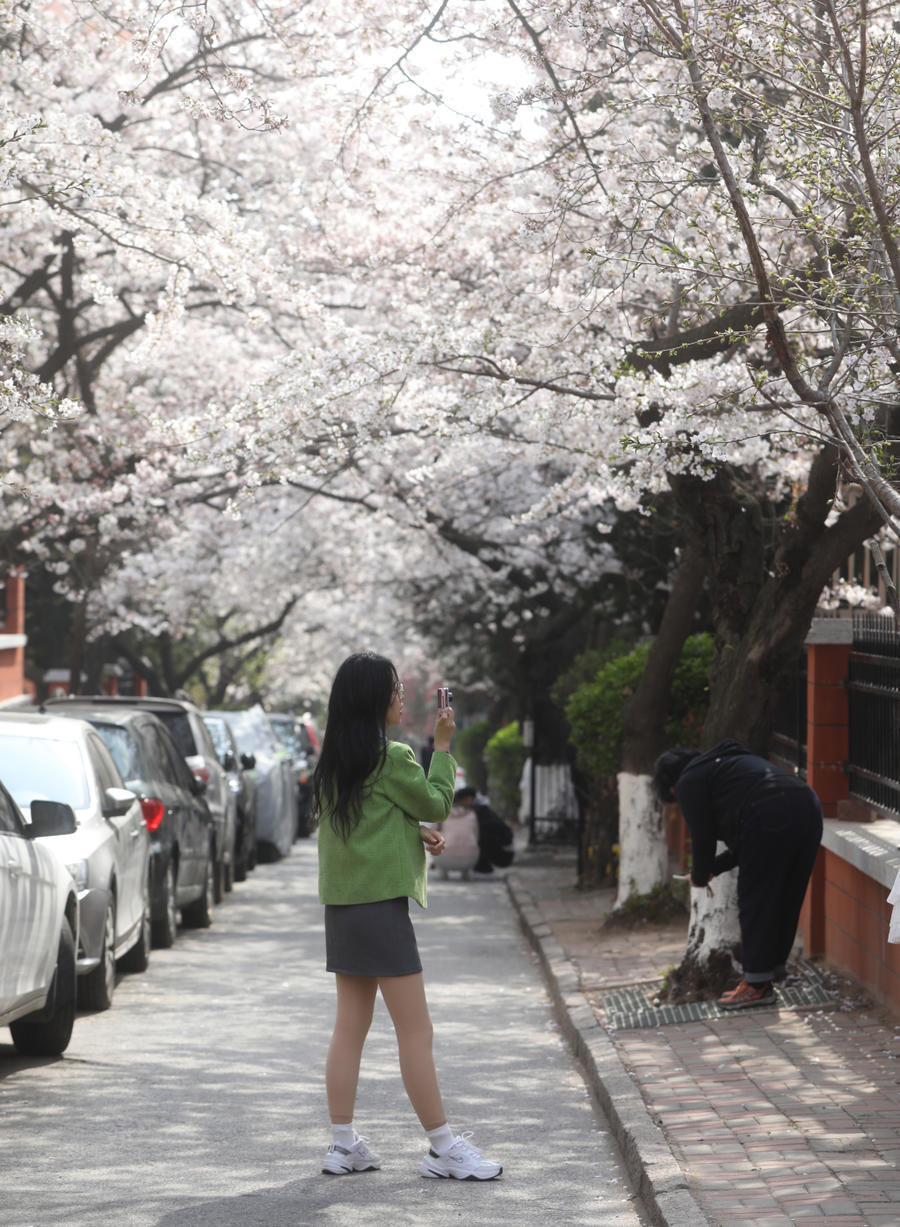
(38, 929)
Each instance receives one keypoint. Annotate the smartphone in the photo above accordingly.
(444, 697)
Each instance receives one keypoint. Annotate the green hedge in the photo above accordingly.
(468, 750)
(505, 755)
(595, 709)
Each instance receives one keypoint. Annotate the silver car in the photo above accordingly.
(276, 796)
(38, 929)
(191, 736)
(50, 758)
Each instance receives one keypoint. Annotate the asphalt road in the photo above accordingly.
(198, 1099)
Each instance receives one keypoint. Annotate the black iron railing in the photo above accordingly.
(874, 713)
(789, 726)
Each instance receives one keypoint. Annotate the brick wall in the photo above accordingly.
(846, 915)
(856, 920)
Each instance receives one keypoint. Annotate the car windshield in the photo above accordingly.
(43, 769)
(253, 731)
(124, 750)
(179, 726)
(218, 731)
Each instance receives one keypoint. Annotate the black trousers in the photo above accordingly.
(780, 837)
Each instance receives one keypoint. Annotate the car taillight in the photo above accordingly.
(153, 812)
(200, 771)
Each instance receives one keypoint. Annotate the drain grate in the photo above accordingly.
(631, 1008)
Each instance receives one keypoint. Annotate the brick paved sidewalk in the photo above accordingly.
(775, 1115)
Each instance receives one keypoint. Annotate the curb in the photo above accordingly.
(653, 1169)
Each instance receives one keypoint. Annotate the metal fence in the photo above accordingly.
(874, 712)
(789, 726)
(550, 805)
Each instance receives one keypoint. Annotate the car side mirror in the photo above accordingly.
(50, 818)
(248, 761)
(229, 762)
(198, 786)
(117, 802)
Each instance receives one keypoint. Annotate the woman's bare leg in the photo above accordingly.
(353, 1017)
(404, 997)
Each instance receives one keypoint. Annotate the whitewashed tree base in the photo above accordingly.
(643, 855)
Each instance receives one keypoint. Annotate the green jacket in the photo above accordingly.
(384, 858)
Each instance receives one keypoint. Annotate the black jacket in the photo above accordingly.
(713, 791)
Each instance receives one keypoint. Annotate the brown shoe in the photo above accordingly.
(747, 995)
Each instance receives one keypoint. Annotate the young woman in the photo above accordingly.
(371, 797)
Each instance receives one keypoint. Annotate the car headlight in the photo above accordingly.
(79, 872)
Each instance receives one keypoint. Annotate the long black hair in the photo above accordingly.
(354, 743)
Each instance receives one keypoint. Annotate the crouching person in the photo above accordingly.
(460, 832)
(495, 837)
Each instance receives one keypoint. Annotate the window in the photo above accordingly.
(176, 767)
(9, 818)
(124, 750)
(179, 726)
(105, 769)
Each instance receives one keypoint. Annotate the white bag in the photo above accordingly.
(894, 898)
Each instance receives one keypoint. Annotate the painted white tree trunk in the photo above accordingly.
(714, 919)
(643, 855)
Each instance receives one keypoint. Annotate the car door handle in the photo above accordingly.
(14, 869)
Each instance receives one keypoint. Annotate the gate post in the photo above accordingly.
(828, 647)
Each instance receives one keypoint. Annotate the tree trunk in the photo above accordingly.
(643, 855)
(712, 957)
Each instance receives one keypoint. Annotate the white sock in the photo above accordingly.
(441, 1139)
(343, 1135)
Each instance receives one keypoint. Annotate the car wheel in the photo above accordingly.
(240, 868)
(47, 1032)
(95, 990)
(166, 928)
(199, 914)
(267, 853)
(218, 881)
(229, 878)
(137, 959)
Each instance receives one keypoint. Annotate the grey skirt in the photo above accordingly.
(371, 939)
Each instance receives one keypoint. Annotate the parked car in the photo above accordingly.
(182, 838)
(185, 724)
(38, 928)
(293, 736)
(276, 803)
(49, 758)
(241, 771)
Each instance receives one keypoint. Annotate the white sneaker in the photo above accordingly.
(339, 1161)
(462, 1161)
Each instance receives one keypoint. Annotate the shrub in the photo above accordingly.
(595, 709)
(468, 750)
(505, 755)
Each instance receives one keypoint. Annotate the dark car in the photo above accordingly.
(241, 771)
(182, 843)
(183, 721)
